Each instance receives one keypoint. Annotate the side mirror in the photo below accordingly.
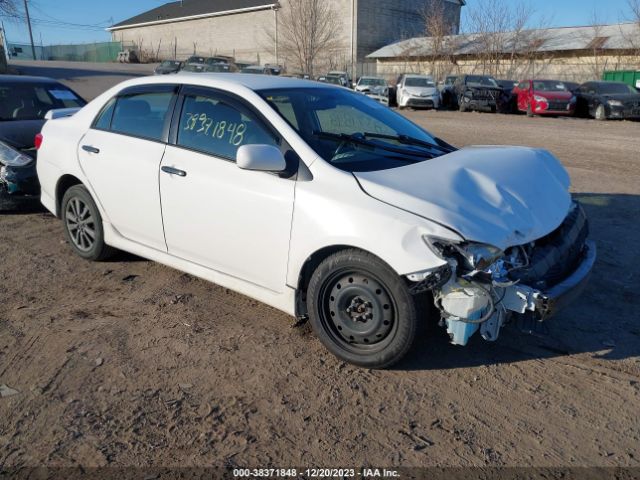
(261, 158)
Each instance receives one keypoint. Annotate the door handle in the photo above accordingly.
(90, 149)
(174, 171)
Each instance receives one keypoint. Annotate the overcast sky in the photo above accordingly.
(79, 21)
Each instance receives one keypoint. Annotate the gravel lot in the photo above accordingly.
(131, 363)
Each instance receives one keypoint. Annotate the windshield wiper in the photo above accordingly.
(359, 138)
(407, 140)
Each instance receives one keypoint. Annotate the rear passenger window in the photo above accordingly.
(211, 125)
(141, 115)
(103, 122)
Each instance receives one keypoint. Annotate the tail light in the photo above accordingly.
(38, 141)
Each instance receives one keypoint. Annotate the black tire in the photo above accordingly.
(361, 310)
(83, 225)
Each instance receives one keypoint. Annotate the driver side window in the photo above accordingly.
(213, 125)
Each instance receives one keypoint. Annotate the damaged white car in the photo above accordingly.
(320, 202)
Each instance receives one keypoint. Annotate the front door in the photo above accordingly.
(126, 143)
(235, 221)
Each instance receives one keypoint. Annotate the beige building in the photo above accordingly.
(249, 29)
(570, 54)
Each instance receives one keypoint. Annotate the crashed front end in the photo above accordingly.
(19, 184)
(485, 99)
(483, 288)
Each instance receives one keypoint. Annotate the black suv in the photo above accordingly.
(477, 92)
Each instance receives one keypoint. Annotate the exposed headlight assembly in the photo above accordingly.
(475, 256)
(13, 158)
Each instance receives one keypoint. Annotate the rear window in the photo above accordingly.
(138, 115)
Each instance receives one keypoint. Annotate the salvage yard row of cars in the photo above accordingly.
(601, 100)
(312, 198)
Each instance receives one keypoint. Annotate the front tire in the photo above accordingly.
(601, 113)
(361, 310)
(83, 225)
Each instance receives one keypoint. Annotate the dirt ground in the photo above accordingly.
(129, 363)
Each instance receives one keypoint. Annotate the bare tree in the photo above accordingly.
(307, 33)
(439, 28)
(503, 37)
(8, 7)
(595, 40)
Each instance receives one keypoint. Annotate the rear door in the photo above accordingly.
(120, 156)
(235, 221)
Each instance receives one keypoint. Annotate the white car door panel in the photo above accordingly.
(133, 208)
(215, 214)
(232, 220)
(125, 145)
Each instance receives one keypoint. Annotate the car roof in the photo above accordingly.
(417, 75)
(228, 80)
(26, 79)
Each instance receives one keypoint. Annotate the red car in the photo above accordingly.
(544, 97)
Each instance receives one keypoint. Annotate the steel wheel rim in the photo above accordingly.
(358, 312)
(80, 224)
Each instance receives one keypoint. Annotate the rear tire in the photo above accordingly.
(83, 225)
(361, 310)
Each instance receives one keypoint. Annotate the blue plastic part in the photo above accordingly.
(460, 332)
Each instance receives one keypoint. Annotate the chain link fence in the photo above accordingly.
(90, 52)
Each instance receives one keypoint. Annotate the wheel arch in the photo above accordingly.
(310, 265)
(64, 183)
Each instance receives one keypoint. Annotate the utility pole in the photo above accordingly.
(33, 47)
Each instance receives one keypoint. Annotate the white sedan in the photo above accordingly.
(320, 202)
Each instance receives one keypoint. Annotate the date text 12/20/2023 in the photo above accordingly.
(315, 473)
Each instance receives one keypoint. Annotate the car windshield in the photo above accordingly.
(335, 80)
(481, 81)
(31, 101)
(196, 60)
(351, 131)
(372, 82)
(419, 82)
(549, 86)
(170, 63)
(616, 88)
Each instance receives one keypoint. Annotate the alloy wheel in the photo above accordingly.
(80, 224)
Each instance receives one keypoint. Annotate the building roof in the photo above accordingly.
(192, 9)
(602, 37)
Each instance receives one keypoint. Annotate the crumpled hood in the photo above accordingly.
(502, 196)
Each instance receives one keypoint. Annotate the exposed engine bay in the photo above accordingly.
(486, 288)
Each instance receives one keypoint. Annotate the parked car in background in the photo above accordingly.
(338, 77)
(168, 66)
(417, 91)
(608, 100)
(195, 63)
(24, 102)
(319, 202)
(243, 64)
(477, 92)
(220, 64)
(447, 98)
(263, 69)
(571, 86)
(374, 87)
(506, 100)
(544, 97)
